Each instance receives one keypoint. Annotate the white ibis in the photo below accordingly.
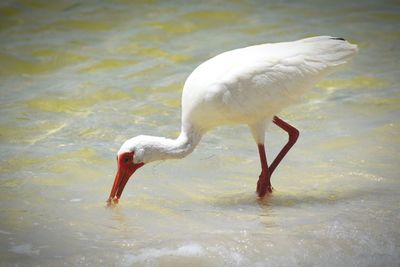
(244, 86)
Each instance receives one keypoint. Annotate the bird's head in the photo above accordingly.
(129, 159)
(140, 150)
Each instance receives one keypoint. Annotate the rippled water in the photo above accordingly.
(77, 78)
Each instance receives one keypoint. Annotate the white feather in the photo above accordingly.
(254, 83)
(245, 86)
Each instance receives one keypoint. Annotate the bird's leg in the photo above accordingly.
(293, 135)
(264, 183)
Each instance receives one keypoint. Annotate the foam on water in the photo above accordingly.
(192, 252)
(151, 254)
(25, 249)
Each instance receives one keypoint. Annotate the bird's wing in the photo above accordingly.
(285, 61)
(279, 73)
(258, 81)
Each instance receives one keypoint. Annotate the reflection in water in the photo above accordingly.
(77, 79)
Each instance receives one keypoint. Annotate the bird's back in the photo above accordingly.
(250, 84)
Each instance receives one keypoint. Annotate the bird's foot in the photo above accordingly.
(263, 186)
(112, 201)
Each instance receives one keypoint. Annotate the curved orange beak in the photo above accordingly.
(126, 168)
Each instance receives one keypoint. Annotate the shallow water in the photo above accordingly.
(78, 78)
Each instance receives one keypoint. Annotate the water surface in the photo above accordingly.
(78, 78)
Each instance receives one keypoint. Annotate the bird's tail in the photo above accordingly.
(329, 51)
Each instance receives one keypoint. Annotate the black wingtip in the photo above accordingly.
(338, 38)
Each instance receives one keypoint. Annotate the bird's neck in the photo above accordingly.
(160, 148)
(184, 144)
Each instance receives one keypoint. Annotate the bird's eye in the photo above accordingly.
(126, 159)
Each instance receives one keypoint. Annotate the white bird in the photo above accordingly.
(244, 86)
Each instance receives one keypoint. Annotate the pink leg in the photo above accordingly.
(293, 135)
(264, 181)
